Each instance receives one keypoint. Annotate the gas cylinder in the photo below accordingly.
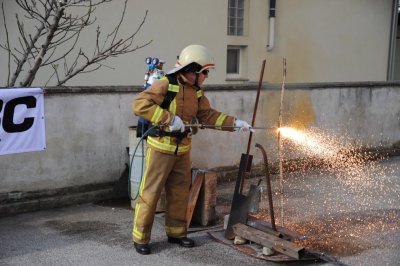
(137, 164)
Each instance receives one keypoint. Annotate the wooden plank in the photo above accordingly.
(194, 194)
(285, 233)
(204, 213)
(278, 244)
(259, 226)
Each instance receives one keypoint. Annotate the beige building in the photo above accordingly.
(351, 43)
(322, 41)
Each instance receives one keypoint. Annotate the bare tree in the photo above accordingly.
(55, 36)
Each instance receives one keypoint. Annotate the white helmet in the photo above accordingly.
(194, 54)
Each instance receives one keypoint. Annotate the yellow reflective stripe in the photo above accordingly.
(172, 106)
(220, 121)
(135, 232)
(174, 88)
(166, 146)
(199, 93)
(155, 119)
(175, 230)
(140, 235)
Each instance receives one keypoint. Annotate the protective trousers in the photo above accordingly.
(173, 173)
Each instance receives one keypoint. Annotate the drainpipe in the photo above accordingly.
(390, 75)
(271, 36)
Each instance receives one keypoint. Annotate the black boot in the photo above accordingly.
(183, 241)
(143, 249)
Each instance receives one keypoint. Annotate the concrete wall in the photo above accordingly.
(323, 41)
(360, 115)
(84, 144)
(87, 135)
(87, 129)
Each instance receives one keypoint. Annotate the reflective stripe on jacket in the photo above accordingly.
(188, 103)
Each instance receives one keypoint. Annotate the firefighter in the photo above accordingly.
(170, 103)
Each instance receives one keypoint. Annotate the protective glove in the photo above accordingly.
(242, 126)
(177, 124)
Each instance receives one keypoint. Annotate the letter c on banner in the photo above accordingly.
(1, 108)
(8, 117)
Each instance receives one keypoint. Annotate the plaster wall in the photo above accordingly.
(323, 41)
(331, 41)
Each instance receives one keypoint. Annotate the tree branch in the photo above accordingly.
(26, 53)
(55, 38)
(32, 72)
(7, 45)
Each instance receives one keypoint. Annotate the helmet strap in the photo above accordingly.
(181, 79)
(196, 81)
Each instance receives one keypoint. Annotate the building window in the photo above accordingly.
(236, 62)
(235, 17)
(233, 60)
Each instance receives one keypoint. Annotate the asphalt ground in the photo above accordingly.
(350, 214)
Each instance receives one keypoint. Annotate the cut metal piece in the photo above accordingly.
(269, 189)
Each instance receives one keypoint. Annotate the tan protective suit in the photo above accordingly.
(164, 168)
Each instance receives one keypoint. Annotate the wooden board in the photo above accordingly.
(204, 213)
(278, 244)
(266, 229)
(254, 250)
(285, 233)
(194, 194)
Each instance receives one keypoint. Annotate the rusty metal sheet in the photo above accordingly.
(240, 203)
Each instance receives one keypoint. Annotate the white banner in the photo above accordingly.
(22, 122)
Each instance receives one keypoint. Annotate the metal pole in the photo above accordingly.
(247, 166)
(256, 105)
(226, 127)
(392, 42)
(269, 187)
(280, 154)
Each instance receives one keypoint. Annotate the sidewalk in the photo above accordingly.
(357, 220)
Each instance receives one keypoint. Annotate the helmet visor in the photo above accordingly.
(207, 67)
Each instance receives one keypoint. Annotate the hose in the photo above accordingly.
(131, 162)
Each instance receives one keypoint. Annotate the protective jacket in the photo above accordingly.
(188, 102)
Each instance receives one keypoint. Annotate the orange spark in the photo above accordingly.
(308, 141)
